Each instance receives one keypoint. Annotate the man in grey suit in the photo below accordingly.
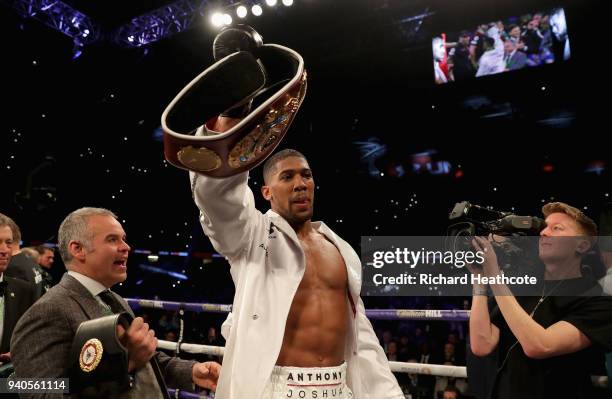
(93, 247)
(513, 57)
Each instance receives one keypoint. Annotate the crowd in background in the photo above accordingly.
(501, 46)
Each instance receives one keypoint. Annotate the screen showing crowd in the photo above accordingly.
(501, 46)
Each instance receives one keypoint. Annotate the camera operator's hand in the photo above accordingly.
(476, 270)
(490, 267)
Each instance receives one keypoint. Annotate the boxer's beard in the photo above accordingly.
(294, 218)
(299, 219)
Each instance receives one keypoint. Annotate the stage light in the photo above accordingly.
(227, 19)
(241, 11)
(217, 19)
(271, 3)
(288, 3)
(256, 10)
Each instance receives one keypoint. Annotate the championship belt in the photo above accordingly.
(99, 362)
(268, 81)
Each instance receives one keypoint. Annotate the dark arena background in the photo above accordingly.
(84, 84)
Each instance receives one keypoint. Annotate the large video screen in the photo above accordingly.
(515, 43)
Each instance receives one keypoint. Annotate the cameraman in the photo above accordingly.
(547, 346)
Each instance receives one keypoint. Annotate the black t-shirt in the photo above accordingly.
(565, 376)
(463, 65)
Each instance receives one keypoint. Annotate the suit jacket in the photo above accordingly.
(518, 60)
(18, 297)
(267, 265)
(24, 268)
(43, 337)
